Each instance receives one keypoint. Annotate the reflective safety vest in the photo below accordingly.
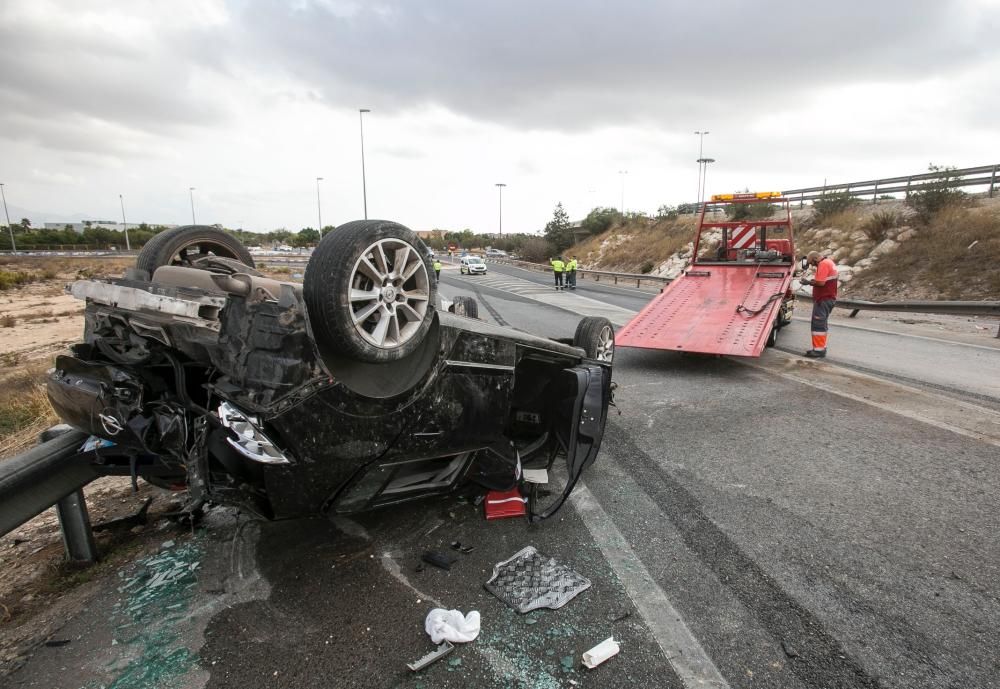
(558, 266)
(571, 266)
(437, 265)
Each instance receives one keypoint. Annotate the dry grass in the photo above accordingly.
(635, 247)
(24, 409)
(954, 257)
(877, 226)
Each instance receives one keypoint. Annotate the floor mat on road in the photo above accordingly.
(530, 580)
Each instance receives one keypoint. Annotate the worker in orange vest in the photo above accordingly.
(824, 286)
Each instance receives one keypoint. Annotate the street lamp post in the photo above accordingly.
(364, 187)
(191, 194)
(128, 246)
(13, 246)
(623, 173)
(701, 141)
(704, 177)
(319, 208)
(500, 186)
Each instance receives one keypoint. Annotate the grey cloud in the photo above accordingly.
(575, 64)
(83, 81)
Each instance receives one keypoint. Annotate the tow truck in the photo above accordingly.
(736, 294)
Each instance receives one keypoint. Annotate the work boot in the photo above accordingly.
(816, 354)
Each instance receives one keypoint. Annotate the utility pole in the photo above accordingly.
(128, 246)
(364, 187)
(701, 164)
(500, 186)
(319, 208)
(704, 177)
(623, 173)
(13, 246)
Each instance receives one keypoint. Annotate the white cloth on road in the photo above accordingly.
(451, 625)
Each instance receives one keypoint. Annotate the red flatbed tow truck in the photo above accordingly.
(736, 294)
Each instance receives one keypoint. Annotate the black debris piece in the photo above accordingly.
(438, 559)
(457, 545)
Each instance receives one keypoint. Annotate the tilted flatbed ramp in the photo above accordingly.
(697, 312)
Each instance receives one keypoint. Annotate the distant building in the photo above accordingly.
(79, 227)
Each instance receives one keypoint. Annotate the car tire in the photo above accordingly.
(171, 248)
(596, 336)
(465, 306)
(362, 304)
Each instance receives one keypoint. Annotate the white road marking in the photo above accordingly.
(682, 650)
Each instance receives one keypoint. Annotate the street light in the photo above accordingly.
(128, 247)
(623, 173)
(319, 208)
(701, 141)
(13, 247)
(191, 194)
(364, 188)
(500, 186)
(703, 162)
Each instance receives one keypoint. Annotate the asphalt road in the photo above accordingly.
(778, 523)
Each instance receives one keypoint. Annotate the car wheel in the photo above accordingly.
(596, 336)
(191, 245)
(465, 306)
(369, 291)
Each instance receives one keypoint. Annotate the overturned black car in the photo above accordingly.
(350, 391)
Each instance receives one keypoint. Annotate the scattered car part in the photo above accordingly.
(596, 336)
(529, 580)
(501, 504)
(438, 559)
(457, 545)
(437, 654)
(465, 306)
(601, 652)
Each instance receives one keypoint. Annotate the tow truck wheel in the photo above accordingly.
(772, 338)
(465, 306)
(193, 246)
(596, 336)
(369, 291)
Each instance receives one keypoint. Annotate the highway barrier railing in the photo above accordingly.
(980, 176)
(51, 473)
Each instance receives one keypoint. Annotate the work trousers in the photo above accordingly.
(821, 322)
(559, 277)
(571, 278)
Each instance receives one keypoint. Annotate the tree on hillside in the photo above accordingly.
(536, 250)
(600, 219)
(666, 212)
(305, 237)
(557, 231)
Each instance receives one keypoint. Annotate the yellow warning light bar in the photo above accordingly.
(749, 195)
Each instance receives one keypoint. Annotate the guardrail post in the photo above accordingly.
(993, 181)
(854, 312)
(77, 536)
(875, 194)
(616, 279)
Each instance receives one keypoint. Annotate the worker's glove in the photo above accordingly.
(806, 281)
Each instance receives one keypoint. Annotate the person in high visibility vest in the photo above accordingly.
(571, 273)
(558, 268)
(437, 269)
(824, 286)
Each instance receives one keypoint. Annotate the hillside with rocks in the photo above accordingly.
(888, 250)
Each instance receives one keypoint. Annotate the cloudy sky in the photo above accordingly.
(249, 101)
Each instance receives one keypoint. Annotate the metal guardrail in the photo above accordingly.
(48, 474)
(966, 177)
(944, 308)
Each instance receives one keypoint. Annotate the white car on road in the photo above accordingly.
(472, 265)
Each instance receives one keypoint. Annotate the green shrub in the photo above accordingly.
(877, 227)
(832, 203)
(936, 194)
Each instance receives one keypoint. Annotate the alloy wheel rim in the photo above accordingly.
(389, 293)
(606, 344)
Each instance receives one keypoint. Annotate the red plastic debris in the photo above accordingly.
(501, 504)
